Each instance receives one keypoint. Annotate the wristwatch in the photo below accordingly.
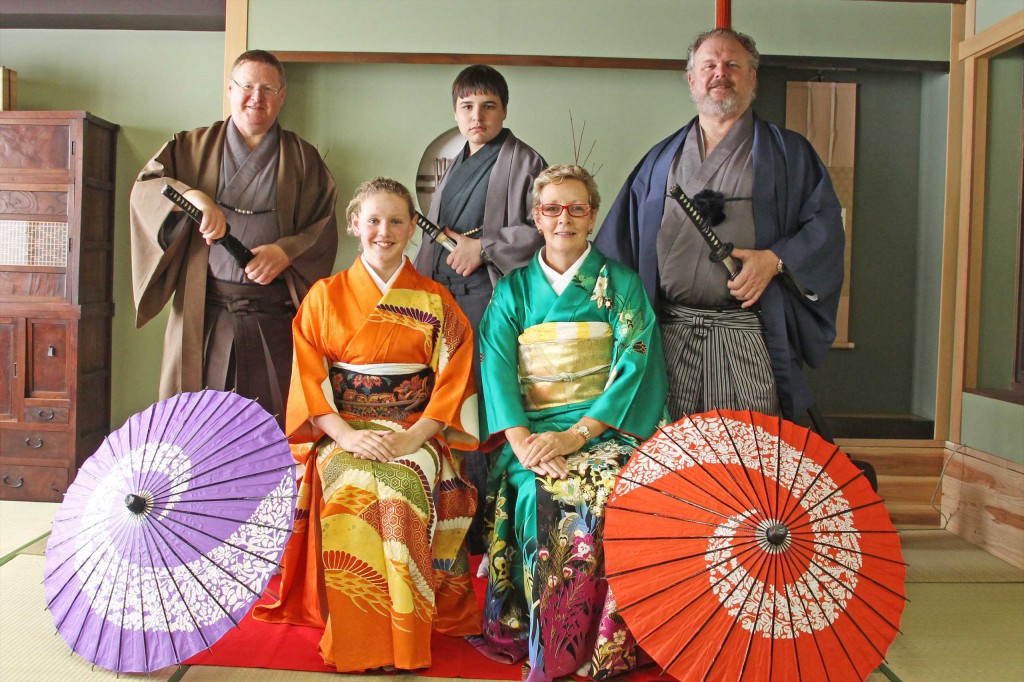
(780, 267)
(583, 431)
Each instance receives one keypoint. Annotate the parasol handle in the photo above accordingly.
(777, 534)
(136, 503)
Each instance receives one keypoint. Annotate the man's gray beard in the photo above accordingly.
(732, 105)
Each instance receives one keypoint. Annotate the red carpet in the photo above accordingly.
(254, 644)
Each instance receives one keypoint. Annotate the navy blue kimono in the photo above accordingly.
(796, 215)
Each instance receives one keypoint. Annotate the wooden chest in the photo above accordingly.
(56, 296)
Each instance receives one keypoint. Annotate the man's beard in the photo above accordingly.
(727, 107)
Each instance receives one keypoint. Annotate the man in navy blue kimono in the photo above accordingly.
(740, 343)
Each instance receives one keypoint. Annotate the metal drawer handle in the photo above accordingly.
(28, 442)
(21, 482)
(45, 416)
(50, 351)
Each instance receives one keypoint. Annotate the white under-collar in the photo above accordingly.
(558, 281)
(381, 284)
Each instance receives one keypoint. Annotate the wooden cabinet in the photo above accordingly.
(56, 296)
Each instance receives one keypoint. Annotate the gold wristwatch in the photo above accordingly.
(583, 431)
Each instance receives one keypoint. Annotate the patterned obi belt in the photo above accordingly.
(394, 391)
(561, 363)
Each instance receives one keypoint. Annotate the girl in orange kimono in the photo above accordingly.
(382, 390)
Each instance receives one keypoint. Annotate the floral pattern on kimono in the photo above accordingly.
(386, 554)
(547, 598)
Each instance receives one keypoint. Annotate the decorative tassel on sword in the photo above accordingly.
(436, 234)
(720, 251)
(237, 249)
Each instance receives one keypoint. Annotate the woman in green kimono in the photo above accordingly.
(574, 380)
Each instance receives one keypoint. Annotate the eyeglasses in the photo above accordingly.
(555, 210)
(264, 90)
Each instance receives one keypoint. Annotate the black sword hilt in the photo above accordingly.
(436, 234)
(237, 249)
(721, 252)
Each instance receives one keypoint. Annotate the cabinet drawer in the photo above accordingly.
(34, 444)
(48, 350)
(41, 484)
(46, 413)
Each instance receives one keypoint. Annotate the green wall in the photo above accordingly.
(1000, 248)
(993, 11)
(930, 225)
(599, 28)
(993, 426)
(996, 426)
(153, 84)
(877, 375)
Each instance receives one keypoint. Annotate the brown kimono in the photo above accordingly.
(306, 197)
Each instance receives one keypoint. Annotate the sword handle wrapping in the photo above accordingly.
(436, 234)
(720, 251)
(235, 248)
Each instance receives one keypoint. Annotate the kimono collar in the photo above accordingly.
(558, 281)
(381, 284)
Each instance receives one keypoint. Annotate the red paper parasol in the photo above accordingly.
(744, 547)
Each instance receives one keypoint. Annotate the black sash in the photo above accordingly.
(387, 396)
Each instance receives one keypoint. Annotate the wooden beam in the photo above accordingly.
(236, 39)
(975, 209)
(950, 222)
(785, 61)
(329, 57)
(996, 38)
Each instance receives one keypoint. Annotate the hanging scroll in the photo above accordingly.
(826, 114)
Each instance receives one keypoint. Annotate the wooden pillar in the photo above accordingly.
(723, 13)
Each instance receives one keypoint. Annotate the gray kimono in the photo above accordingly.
(508, 235)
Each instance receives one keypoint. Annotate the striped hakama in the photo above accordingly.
(719, 361)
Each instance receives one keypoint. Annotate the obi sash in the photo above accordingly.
(393, 391)
(562, 363)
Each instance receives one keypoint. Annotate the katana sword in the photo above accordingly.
(436, 234)
(720, 251)
(237, 249)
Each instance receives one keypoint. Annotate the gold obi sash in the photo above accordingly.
(561, 363)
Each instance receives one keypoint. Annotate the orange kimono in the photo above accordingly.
(380, 547)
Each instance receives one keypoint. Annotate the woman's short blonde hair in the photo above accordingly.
(554, 175)
(377, 186)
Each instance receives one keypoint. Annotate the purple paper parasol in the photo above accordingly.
(170, 531)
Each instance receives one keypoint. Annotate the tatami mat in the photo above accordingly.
(938, 556)
(37, 548)
(964, 622)
(200, 673)
(205, 673)
(961, 632)
(30, 651)
(23, 522)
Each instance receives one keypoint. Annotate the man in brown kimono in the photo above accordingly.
(484, 203)
(230, 328)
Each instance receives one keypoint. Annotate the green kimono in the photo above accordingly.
(546, 361)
